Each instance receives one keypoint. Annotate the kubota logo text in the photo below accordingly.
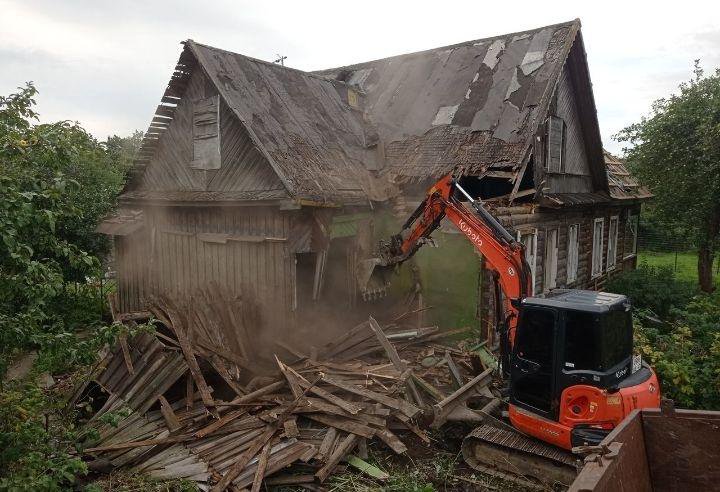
(473, 236)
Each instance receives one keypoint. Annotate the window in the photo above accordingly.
(597, 342)
(597, 251)
(551, 254)
(572, 253)
(535, 337)
(529, 240)
(612, 243)
(206, 135)
(631, 236)
(582, 347)
(555, 145)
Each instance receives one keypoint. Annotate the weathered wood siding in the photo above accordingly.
(242, 165)
(171, 255)
(576, 177)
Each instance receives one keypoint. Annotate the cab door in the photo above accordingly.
(533, 360)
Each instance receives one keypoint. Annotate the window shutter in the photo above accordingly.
(206, 134)
(556, 128)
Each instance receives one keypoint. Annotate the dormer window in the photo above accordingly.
(555, 145)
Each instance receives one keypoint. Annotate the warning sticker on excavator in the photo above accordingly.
(614, 400)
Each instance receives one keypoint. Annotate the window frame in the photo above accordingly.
(593, 273)
(563, 137)
(612, 241)
(533, 265)
(573, 260)
(633, 251)
(551, 255)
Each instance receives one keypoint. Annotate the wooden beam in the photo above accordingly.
(169, 415)
(344, 448)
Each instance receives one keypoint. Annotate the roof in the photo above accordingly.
(623, 185)
(350, 134)
(585, 300)
(472, 104)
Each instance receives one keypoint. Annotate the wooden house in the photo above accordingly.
(272, 181)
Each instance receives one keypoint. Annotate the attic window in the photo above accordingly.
(206, 133)
(555, 145)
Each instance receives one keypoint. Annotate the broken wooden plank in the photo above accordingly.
(261, 467)
(217, 424)
(242, 461)
(427, 387)
(346, 425)
(138, 444)
(326, 444)
(168, 414)
(400, 405)
(454, 371)
(292, 380)
(362, 448)
(392, 441)
(290, 427)
(326, 395)
(224, 373)
(395, 359)
(189, 391)
(126, 354)
(289, 480)
(344, 448)
(181, 334)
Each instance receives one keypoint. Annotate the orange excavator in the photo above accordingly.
(568, 355)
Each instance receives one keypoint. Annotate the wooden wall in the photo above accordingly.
(242, 165)
(577, 177)
(545, 220)
(181, 249)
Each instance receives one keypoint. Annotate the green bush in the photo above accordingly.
(56, 182)
(677, 330)
(685, 352)
(653, 288)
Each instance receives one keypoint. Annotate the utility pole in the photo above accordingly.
(280, 59)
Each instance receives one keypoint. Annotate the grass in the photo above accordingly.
(683, 264)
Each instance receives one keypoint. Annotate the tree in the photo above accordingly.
(56, 183)
(676, 152)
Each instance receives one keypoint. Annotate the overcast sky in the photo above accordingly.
(106, 63)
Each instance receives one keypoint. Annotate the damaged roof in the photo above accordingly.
(471, 104)
(313, 138)
(623, 185)
(350, 134)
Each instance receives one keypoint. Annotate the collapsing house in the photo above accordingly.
(272, 182)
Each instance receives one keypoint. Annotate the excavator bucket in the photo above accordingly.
(373, 278)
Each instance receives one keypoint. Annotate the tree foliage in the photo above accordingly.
(676, 151)
(677, 330)
(56, 183)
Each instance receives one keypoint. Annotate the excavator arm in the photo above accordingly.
(502, 253)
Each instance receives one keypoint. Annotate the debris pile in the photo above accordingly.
(314, 417)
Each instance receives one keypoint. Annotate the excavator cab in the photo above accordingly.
(571, 339)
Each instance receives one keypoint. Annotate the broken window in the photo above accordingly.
(206, 134)
(572, 254)
(555, 145)
(612, 242)
(597, 256)
(551, 255)
(631, 236)
(529, 240)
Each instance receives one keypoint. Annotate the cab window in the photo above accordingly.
(535, 336)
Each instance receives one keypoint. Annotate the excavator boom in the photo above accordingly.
(503, 253)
